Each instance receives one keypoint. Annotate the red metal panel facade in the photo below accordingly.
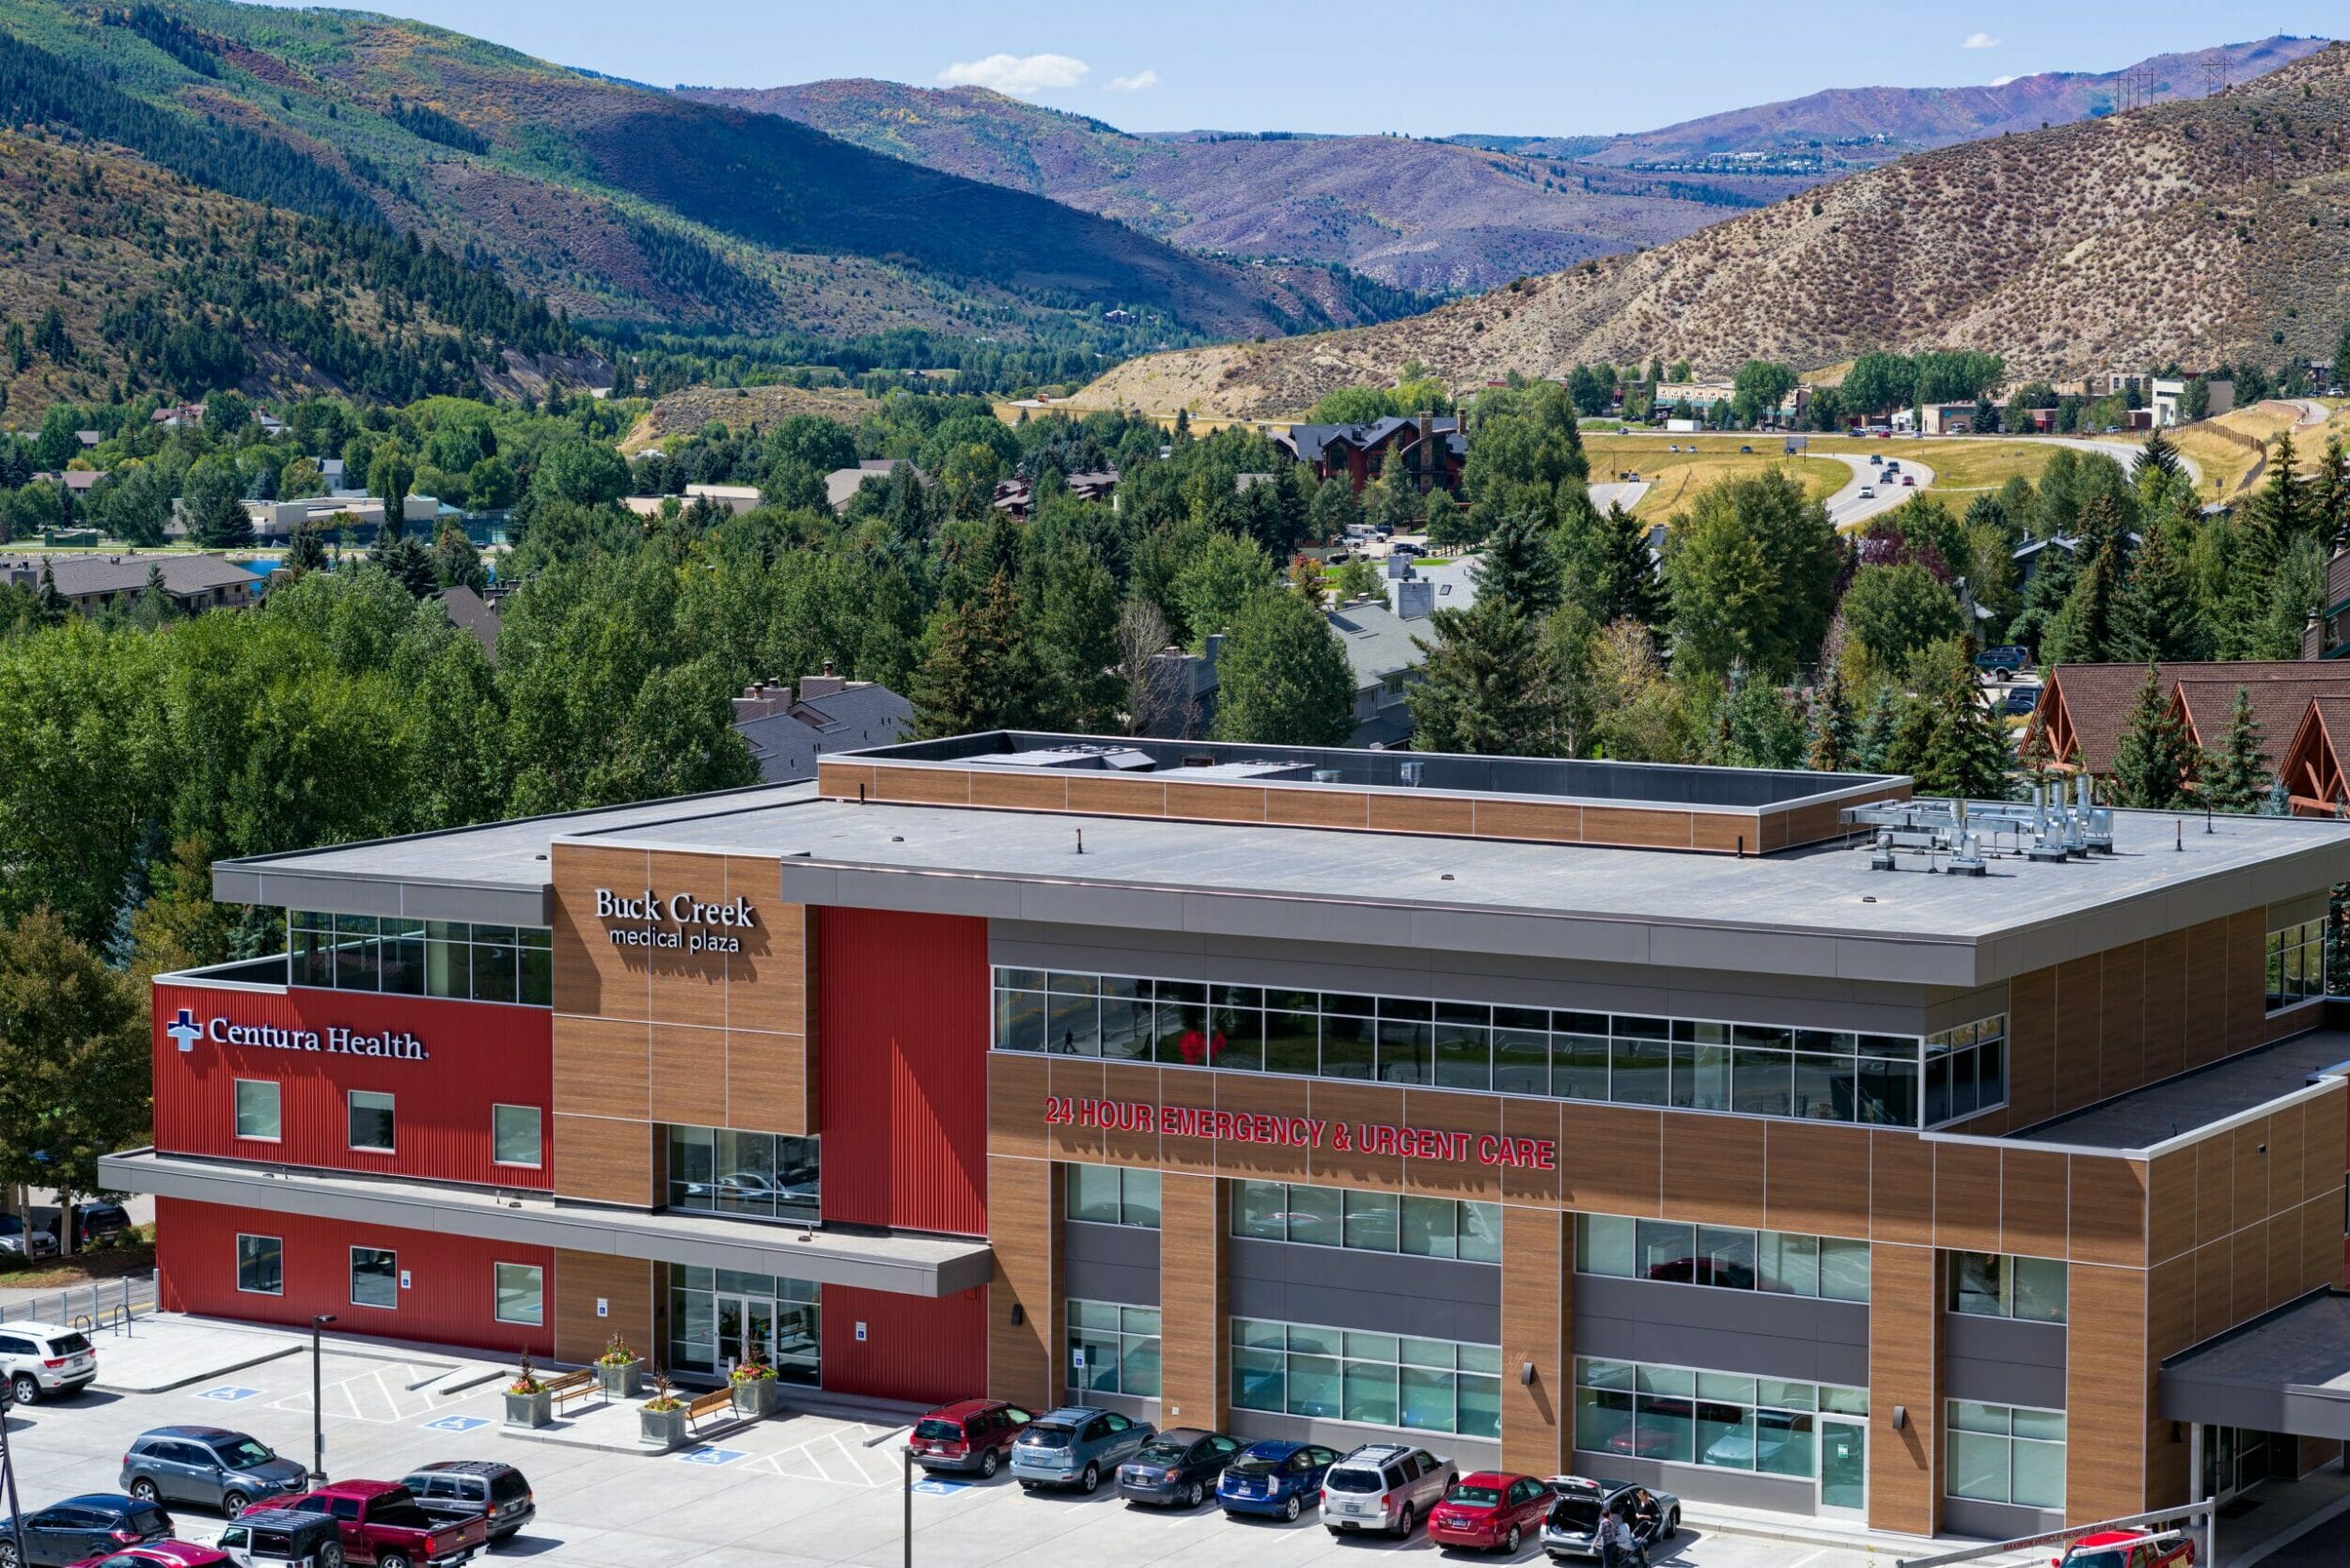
(901, 1039)
(919, 1348)
(451, 1297)
(476, 1055)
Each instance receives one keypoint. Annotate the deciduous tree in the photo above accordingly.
(1283, 680)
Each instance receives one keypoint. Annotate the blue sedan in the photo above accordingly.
(1275, 1479)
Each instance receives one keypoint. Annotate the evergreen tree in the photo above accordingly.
(1756, 726)
(1486, 687)
(1835, 732)
(1614, 573)
(306, 551)
(2283, 506)
(455, 561)
(2154, 758)
(2160, 455)
(1946, 739)
(1878, 727)
(1396, 502)
(49, 606)
(1519, 566)
(2236, 774)
(2087, 630)
(213, 505)
(2329, 494)
(981, 673)
(1283, 679)
(2160, 617)
(410, 564)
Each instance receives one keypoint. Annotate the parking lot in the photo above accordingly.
(792, 1489)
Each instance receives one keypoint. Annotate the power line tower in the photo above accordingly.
(2215, 73)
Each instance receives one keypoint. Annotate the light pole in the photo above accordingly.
(7, 1469)
(318, 1417)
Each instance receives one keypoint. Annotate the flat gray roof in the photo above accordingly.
(1819, 911)
(2288, 1371)
(2161, 1112)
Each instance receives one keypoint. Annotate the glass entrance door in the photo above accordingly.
(744, 1323)
(1844, 1467)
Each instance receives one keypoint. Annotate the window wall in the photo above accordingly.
(1781, 1262)
(1997, 1285)
(2006, 1454)
(1368, 1221)
(750, 1175)
(719, 1316)
(1692, 1064)
(2296, 964)
(1389, 1380)
(421, 958)
(1113, 1349)
(1721, 1420)
(1112, 1195)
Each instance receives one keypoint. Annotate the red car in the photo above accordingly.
(973, 1436)
(1490, 1510)
(158, 1554)
(2129, 1548)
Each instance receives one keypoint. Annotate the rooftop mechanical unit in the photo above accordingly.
(2048, 830)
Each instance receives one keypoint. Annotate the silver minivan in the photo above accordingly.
(1384, 1487)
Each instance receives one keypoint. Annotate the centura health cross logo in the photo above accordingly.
(185, 1030)
(334, 1040)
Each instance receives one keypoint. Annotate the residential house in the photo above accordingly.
(2028, 555)
(1435, 449)
(176, 414)
(1016, 496)
(2327, 633)
(2170, 393)
(89, 439)
(91, 583)
(1382, 652)
(2085, 708)
(789, 732)
(2311, 765)
(476, 613)
(841, 484)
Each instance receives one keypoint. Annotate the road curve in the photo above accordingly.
(1847, 509)
(2126, 453)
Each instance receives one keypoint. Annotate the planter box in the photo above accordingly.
(621, 1382)
(529, 1409)
(755, 1397)
(661, 1429)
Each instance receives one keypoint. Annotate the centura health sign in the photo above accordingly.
(1301, 1131)
(334, 1040)
(711, 924)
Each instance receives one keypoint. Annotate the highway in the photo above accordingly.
(1848, 508)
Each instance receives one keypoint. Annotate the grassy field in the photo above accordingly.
(1675, 477)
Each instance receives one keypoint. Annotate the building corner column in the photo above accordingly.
(1537, 1332)
(1195, 1302)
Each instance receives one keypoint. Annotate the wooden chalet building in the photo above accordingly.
(2312, 767)
(2085, 708)
(1436, 449)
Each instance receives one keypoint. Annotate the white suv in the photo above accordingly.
(38, 1361)
(1384, 1487)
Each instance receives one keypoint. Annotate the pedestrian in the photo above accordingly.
(1604, 1536)
(1629, 1548)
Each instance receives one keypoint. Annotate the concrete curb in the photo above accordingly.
(205, 1376)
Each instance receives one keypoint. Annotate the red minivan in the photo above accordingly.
(971, 1435)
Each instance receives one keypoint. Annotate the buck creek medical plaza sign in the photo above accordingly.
(680, 921)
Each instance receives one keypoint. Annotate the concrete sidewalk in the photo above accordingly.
(168, 1350)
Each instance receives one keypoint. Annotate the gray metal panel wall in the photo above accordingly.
(1738, 1331)
(1110, 1262)
(1436, 1299)
(2001, 1361)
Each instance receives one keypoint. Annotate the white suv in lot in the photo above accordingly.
(39, 1360)
(1384, 1487)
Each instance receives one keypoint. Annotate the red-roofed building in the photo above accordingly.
(2086, 707)
(2312, 759)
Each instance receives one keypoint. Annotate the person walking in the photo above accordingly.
(1604, 1536)
(1630, 1548)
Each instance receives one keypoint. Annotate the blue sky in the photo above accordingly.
(1504, 65)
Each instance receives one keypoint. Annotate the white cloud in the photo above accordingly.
(1980, 40)
(1019, 75)
(1141, 81)
(2002, 81)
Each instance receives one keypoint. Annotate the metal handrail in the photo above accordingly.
(2190, 1513)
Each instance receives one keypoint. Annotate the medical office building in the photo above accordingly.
(1637, 1121)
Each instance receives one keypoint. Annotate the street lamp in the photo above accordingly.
(7, 1472)
(318, 1417)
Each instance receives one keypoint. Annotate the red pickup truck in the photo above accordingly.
(380, 1523)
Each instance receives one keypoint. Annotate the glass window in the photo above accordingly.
(375, 1277)
(1260, 1209)
(1844, 1269)
(1432, 1228)
(1463, 1054)
(1723, 1421)
(1666, 1252)
(2039, 1285)
(2006, 1454)
(1640, 1061)
(1375, 1379)
(1019, 1020)
(261, 1265)
(257, 1109)
(1370, 1221)
(1347, 1045)
(1480, 1232)
(1313, 1217)
(1990, 1284)
(1139, 1199)
(1292, 1041)
(1521, 1050)
(1092, 1193)
(370, 1115)
(1112, 1349)
(514, 1135)
(521, 1293)
(1578, 1069)
(1604, 1244)
(1790, 1265)
(748, 1175)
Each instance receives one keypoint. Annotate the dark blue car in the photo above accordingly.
(1276, 1479)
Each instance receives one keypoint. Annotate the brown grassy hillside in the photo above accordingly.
(2201, 232)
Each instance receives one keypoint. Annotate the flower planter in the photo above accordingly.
(661, 1429)
(529, 1409)
(754, 1396)
(621, 1382)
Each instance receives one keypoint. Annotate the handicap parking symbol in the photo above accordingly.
(228, 1393)
(456, 1423)
(711, 1456)
(941, 1488)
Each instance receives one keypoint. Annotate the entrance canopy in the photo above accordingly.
(2287, 1371)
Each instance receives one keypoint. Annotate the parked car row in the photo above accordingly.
(1385, 1488)
(440, 1516)
(92, 1222)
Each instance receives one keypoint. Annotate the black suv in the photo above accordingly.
(469, 1488)
(86, 1526)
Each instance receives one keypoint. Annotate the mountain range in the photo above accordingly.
(2205, 230)
(1462, 213)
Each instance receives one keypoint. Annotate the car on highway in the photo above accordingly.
(1490, 1510)
(1384, 1487)
(209, 1466)
(44, 1360)
(971, 1435)
(1876, 459)
(1868, 492)
(1892, 465)
(1276, 1479)
(2129, 1548)
(159, 1554)
(1747, 450)
(1910, 479)
(1075, 1446)
(1568, 1530)
(1178, 1467)
(92, 1524)
(380, 1522)
(475, 1488)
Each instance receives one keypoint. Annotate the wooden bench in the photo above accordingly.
(704, 1405)
(571, 1385)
